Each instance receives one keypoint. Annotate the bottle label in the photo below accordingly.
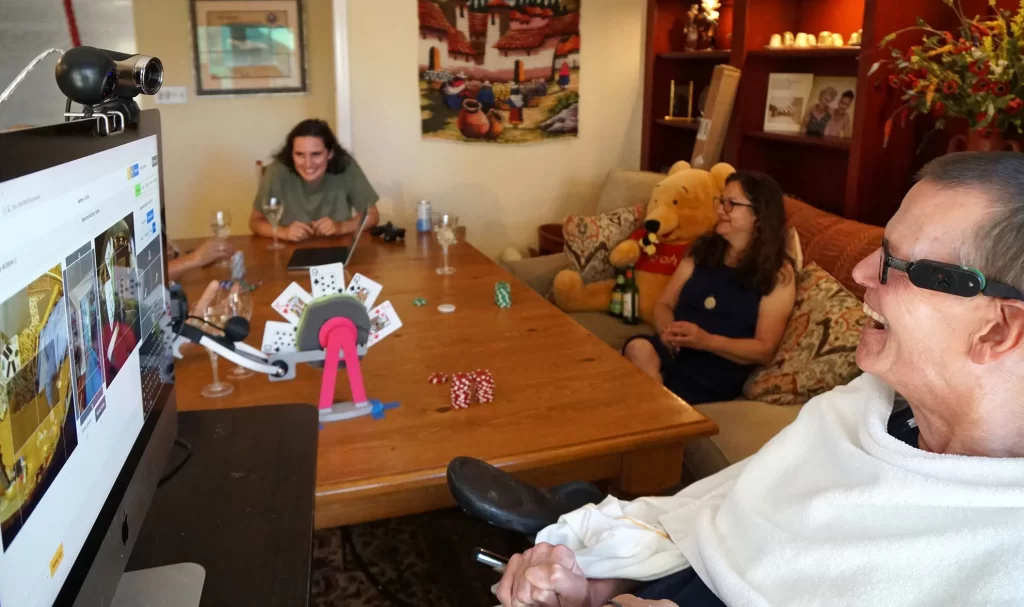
(615, 307)
(627, 307)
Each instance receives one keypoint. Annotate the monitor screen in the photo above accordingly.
(82, 352)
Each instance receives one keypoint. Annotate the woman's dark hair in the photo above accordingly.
(313, 127)
(765, 255)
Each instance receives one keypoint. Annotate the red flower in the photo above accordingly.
(981, 85)
(912, 81)
(894, 81)
(979, 68)
(949, 87)
(980, 117)
(922, 72)
(938, 109)
(1000, 89)
(911, 51)
(985, 132)
(963, 46)
(980, 30)
(1014, 106)
(948, 36)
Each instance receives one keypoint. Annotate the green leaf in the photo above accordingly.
(921, 22)
(874, 68)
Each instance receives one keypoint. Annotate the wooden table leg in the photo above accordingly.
(651, 471)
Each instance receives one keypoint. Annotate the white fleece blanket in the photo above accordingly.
(832, 511)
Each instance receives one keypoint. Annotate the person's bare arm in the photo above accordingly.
(210, 251)
(326, 226)
(772, 316)
(665, 306)
(296, 231)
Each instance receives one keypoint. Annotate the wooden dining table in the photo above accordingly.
(566, 405)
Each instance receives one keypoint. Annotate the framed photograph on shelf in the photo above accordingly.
(787, 102)
(242, 47)
(830, 109)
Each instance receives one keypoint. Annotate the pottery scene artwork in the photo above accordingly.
(499, 71)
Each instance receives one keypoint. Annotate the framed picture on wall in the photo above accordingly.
(244, 47)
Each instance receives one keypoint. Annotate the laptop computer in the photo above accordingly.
(303, 259)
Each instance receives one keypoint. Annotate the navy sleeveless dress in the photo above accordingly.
(714, 300)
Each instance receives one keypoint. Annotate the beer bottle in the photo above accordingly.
(630, 299)
(615, 305)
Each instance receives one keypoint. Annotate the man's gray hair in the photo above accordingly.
(997, 245)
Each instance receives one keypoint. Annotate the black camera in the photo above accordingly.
(388, 232)
(106, 82)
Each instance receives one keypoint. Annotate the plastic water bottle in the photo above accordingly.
(423, 212)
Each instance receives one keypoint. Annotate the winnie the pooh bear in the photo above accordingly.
(681, 209)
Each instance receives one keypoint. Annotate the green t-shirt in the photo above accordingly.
(336, 196)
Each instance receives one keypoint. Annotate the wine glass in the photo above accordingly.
(220, 223)
(444, 230)
(273, 208)
(216, 314)
(239, 303)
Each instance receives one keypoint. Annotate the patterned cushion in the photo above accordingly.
(818, 348)
(589, 240)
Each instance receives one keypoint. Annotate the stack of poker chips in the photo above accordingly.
(463, 390)
(484, 386)
(238, 267)
(503, 294)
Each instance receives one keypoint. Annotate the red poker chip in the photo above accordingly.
(437, 378)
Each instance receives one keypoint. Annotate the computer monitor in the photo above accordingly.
(87, 407)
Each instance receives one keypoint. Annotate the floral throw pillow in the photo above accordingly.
(818, 348)
(589, 240)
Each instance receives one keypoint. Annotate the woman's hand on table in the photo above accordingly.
(325, 226)
(296, 231)
(682, 334)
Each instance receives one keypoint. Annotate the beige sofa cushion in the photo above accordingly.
(625, 188)
(744, 426)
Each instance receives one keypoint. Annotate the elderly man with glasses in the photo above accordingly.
(904, 487)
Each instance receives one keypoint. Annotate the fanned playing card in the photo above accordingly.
(278, 337)
(291, 303)
(364, 289)
(327, 280)
(383, 322)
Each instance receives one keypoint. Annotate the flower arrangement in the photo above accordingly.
(975, 74)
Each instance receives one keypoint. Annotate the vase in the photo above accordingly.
(473, 123)
(982, 140)
(497, 128)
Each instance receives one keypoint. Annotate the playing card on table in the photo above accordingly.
(292, 302)
(383, 322)
(327, 280)
(278, 338)
(364, 289)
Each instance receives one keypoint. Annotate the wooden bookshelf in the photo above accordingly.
(692, 125)
(854, 177)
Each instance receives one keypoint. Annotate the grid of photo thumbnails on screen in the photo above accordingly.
(84, 355)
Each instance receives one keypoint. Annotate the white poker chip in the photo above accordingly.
(446, 308)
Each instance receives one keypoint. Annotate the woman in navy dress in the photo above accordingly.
(726, 307)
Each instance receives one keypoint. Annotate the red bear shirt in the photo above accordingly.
(666, 258)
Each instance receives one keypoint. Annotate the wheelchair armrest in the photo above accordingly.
(495, 496)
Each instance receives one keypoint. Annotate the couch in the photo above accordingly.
(834, 243)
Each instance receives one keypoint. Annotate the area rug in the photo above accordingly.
(423, 560)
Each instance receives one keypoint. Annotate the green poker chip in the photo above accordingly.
(419, 302)
(503, 294)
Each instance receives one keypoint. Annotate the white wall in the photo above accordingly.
(29, 27)
(501, 192)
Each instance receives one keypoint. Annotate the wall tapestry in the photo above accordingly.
(501, 71)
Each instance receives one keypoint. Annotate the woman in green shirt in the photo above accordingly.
(324, 191)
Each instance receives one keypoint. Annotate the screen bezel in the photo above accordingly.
(28, 151)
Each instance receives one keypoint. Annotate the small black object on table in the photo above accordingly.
(242, 507)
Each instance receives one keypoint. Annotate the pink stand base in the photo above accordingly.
(340, 334)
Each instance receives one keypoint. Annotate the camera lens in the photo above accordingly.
(148, 74)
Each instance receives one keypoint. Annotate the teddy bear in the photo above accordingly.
(680, 210)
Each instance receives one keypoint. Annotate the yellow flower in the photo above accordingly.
(939, 51)
(931, 94)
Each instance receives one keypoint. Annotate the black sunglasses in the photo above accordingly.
(944, 277)
(728, 204)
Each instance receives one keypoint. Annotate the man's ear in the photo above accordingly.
(1003, 335)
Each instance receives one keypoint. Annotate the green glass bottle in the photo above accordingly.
(615, 305)
(630, 299)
